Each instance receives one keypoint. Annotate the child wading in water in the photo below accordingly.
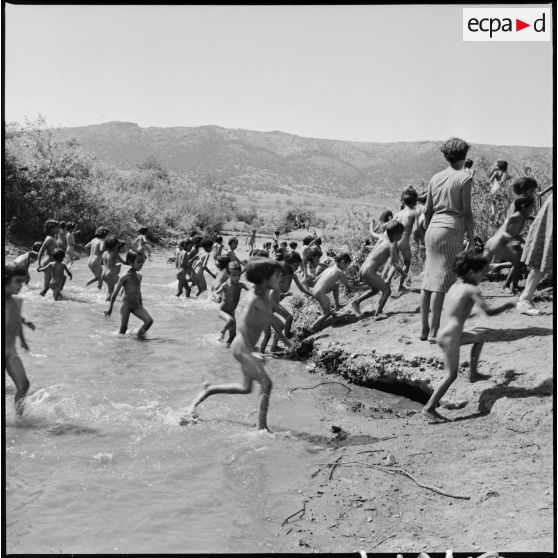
(96, 247)
(50, 244)
(461, 298)
(201, 265)
(14, 277)
(141, 244)
(386, 248)
(265, 274)
(230, 295)
(70, 243)
(110, 261)
(328, 282)
(25, 260)
(57, 271)
(132, 302)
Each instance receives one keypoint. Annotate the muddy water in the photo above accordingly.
(99, 463)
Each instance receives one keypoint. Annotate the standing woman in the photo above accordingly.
(50, 244)
(447, 216)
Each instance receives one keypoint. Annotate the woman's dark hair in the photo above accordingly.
(259, 270)
(524, 184)
(343, 257)
(206, 244)
(13, 270)
(49, 225)
(393, 228)
(131, 256)
(58, 255)
(409, 197)
(522, 202)
(111, 242)
(307, 239)
(385, 216)
(469, 260)
(222, 262)
(454, 150)
(36, 246)
(293, 245)
(468, 163)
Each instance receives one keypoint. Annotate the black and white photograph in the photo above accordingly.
(279, 279)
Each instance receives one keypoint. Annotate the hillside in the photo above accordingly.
(278, 162)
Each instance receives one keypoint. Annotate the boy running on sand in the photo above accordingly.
(265, 274)
(110, 261)
(327, 282)
(506, 243)
(230, 296)
(462, 296)
(58, 272)
(132, 302)
(14, 277)
(25, 260)
(385, 248)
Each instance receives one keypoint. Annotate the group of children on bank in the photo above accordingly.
(271, 270)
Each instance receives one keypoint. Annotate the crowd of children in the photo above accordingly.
(271, 269)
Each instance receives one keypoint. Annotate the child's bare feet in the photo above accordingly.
(379, 316)
(434, 416)
(477, 377)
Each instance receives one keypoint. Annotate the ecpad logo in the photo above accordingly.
(506, 24)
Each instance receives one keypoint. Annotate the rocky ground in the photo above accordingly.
(493, 461)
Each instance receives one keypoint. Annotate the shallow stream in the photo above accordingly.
(99, 463)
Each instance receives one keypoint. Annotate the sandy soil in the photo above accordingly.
(497, 451)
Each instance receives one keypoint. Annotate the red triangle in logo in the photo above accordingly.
(519, 25)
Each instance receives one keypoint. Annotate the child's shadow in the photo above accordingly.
(497, 335)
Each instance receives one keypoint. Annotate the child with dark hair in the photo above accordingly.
(369, 272)
(141, 244)
(233, 245)
(57, 271)
(524, 186)
(229, 292)
(406, 217)
(201, 265)
(96, 247)
(217, 248)
(460, 299)
(222, 273)
(14, 277)
(506, 243)
(328, 282)
(293, 245)
(498, 175)
(110, 261)
(265, 274)
(306, 242)
(132, 302)
(25, 260)
(50, 244)
(376, 230)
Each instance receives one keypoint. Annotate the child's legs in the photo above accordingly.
(111, 280)
(16, 371)
(266, 337)
(124, 318)
(143, 315)
(284, 313)
(450, 347)
(370, 278)
(477, 340)
(200, 281)
(509, 254)
(325, 305)
(232, 332)
(253, 369)
(46, 280)
(406, 266)
(229, 320)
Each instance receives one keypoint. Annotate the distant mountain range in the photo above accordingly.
(275, 161)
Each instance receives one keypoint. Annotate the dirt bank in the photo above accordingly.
(497, 452)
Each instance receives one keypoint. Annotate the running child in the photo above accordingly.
(50, 244)
(25, 260)
(110, 261)
(462, 296)
(96, 247)
(265, 274)
(506, 243)
(217, 248)
(251, 241)
(132, 302)
(70, 243)
(58, 271)
(314, 267)
(201, 265)
(222, 274)
(230, 295)
(328, 282)
(386, 248)
(233, 245)
(406, 217)
(376, 230)
(14, 277)
(141, 244)
(185, 271)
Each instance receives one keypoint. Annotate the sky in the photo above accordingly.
(359, 73)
